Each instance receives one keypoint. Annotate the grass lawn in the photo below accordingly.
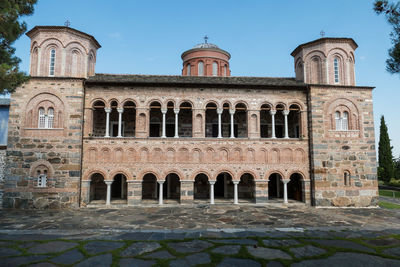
(389, 193)
(388, 205)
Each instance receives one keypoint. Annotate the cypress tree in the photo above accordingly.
(386, 168)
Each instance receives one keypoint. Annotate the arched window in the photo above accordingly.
(336, 69)
(50, 118)
(188, 69)
(342, 122)
(345, 119)
(346, 179)
(46, 121)
(337, 121)
(42, 118)
(200, 68)
(52, 62)
(215, 69)
(225, 70)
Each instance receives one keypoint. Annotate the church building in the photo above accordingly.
(78, 138)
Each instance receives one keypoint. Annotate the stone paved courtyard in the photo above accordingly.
(247, 235)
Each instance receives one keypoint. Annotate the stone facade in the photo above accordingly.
(2, 170)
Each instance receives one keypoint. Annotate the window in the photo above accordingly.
(346, 177)
(52, 61)
(188, 69)
(345, 125)
(42, 118)
(42, 180)
(46, 121)
(225, 70)
(200, 68)
(342, 122)
(215, 69)
(50, 118)
(336, 69)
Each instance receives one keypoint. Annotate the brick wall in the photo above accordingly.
(2, 170)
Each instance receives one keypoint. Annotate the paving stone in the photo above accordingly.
(342, 244)
(190, 246)
(96, 247)
(5, 243)
(6, 252)
(227, 250)
(307, 251)
(348, 259)
(42, 264)
(383, 242)
(175, 236)
(135, 262)
(234, 262)
(51, 247)
(139, 248)
(267, 253)
(68, 257)
(192, 260)
(17, 261)
(392, 251)
(280, 242)
(139, 236)
(98, 261)
(163, 254)
(28, 244)
(235, 241)
(274, 264)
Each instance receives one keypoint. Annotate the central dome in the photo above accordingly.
(206, 45)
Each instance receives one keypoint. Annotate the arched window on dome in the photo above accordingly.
(52, 62)
(188, 69)
(200, 67)
(215, 69)
(336, 69)
(225, 69)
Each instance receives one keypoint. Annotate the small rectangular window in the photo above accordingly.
(42, 180)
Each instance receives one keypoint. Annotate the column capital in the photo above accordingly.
(235, 182)
(108, 182)
(212, 182)
(220, 110)
(164, 110)
(286, 112)
(272, 112)
(176, 110)
(107, 110)
(232, 111)
(285, 181)
(160, 182)
(120, 110)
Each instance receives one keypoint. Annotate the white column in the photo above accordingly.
(273, 112)
(232, 112)
(164, 114)
(235, 192)
(108, 111)
(285, 114)
(285, 182)
(120, 111)
(160, 197)
(219, 112)
(176, 111)
(108, 183)
(212, 183)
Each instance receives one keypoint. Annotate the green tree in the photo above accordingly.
(392, 14)
(386, 168)
(397, 168)
(10, 30)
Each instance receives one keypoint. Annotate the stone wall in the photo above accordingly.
(2, 170)
(334, 153)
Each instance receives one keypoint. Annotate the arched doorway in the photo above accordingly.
(119, 187)
(294, 121)
(295, 187)
(275, 186)
(172, 187)
(201, 187)
(155, 119)
(98, 188)
(99, 119)
(240, 119)
(185, 118)
(224, 186)
(129, 119)
(149, 187)
(246, 187)
(211, 120)
(279, 121)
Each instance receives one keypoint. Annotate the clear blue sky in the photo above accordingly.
(148, 37)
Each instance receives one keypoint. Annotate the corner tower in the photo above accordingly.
(206, 60)
(326, 61)
(59, 51)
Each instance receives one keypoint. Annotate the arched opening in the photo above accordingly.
(188, 70)
(211, 120)
(346, 178)
(201, 187)
(215, 69)
(265, 121)
(240, 118)
(295, 187)
(170, 120)
(129, 119)
(119, 188)
(275, 186)
(225, 120)
(200, 68)
(224, 186)
(99, 119)
(149, 187)
(246, 187)
(279, 121)
(294, 121)
(98, 188)
(114, 119)
(185, 121)
(172, 187)
(155, 119)
(316, 70)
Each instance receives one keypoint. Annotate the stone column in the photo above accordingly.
(142, 122)
(134, 192)
(286, 113)
(254, 126)
(198, 119)
(273, 112)
(212, 183)
(232, 112)
(261, 191)
(187, 191)
(164, 114)
(219, 112)
(285, 197)
(120, 111)
(176, 111)
(108, 183)
(108, 111)
(160, 192)
(235, 192)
